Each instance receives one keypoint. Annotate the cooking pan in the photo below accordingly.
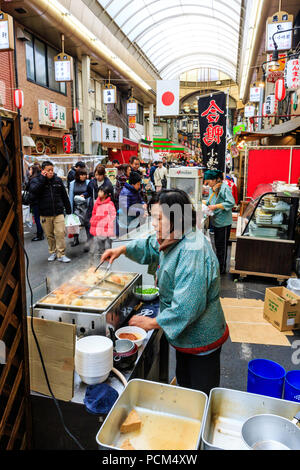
(271, 432)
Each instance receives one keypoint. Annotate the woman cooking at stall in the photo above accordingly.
(187, 269)
(220, 201)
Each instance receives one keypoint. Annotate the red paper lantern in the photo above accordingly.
(68, 143)
(76, 115)
(18, 99)
(280, 91)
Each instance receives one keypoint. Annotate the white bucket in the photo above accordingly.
(294, 285)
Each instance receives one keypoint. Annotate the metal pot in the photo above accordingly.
(271, 432)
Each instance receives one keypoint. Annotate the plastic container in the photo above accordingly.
(265, 377)
(294, 285)
(292, 386)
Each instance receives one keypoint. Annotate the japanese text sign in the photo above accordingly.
(212, 119)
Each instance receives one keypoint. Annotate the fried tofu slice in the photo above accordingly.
(132, 423)
(126, 445)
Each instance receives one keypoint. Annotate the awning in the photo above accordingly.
(131, 143)
(283, 128)
(164, 145)
(28, 141)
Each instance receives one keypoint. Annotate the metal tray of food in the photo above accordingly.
(227, 410)
(79, 300)
(172, 417)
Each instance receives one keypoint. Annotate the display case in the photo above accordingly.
(188, 179)
(266, 240)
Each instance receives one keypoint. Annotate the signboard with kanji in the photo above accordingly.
(275, 72)
(109, 94)
(292, 74)
(132, 121)
(6, 32)
(57, 121)
(212, 119)
(131, 107)
(255, 93)
(279, 23)
(63, 68)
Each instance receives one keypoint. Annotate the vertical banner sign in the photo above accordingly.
(63, 68)
(212, 119)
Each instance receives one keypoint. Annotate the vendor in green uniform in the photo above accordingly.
(221, 202)
(187, 269)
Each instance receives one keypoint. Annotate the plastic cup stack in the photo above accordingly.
(94, 359)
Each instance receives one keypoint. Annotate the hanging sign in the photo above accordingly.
(131, 107)
(249, 111)
(6, 32)
(109, 94)
(63, 67)
(271, 105)
(212, 119)
(132, 121)
(280, 92)
(292, 74)
(195, 124)
(275, 72)
(279, 23)
(255, 93)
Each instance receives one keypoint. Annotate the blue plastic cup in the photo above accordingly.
(265, 378)
(292, 386)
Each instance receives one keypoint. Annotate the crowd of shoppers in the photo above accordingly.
(106, 211)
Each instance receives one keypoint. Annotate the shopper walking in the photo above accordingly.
(79, 204)
(220, 201)
(160, 177)
(72, 172)
(103, 222)
(122, 176)
(48, 189)
(34, 171)
(131, 204)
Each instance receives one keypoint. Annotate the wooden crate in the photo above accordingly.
(15, 421)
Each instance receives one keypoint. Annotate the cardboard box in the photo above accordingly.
(282, 308)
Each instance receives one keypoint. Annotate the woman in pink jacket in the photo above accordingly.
(103, 222)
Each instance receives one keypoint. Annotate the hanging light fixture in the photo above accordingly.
(18, 98)
(280, 91)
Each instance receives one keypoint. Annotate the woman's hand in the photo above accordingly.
(212, 208)
(144, 322)
(111, 255)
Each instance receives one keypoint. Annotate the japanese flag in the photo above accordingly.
(167, 97)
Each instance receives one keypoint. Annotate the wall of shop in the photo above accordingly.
(7, 80)
(34, 92)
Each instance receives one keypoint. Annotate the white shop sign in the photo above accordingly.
(109, 95)
(63, 66)
(44, 119)
(255, 93)
(283, 40)
(105, 133)
(4, 38)
(249, 111)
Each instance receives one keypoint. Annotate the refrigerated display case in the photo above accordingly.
(266, 240)
(188, 179)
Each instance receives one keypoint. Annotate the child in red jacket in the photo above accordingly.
(103, 222)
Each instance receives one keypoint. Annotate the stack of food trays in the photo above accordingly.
(90, 289)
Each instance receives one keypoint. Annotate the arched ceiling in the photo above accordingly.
(180, 35)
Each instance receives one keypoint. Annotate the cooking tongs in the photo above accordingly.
(106, 272)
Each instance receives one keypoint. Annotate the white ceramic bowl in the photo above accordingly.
(146, 297)
(93, 380)
(94, 344)
(133, 329)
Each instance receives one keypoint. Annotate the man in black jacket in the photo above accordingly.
(49, 191)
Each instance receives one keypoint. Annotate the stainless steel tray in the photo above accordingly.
(182, 406)
(76, 308)
(227, 410)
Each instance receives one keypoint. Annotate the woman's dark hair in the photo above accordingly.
(100, 169)
(91, 175)
(105, 190)
(185, 213)
(80, 172)
(122, 169)
(36, 170)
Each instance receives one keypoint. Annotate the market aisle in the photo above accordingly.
(234, 357)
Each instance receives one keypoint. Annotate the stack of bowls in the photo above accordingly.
(94, 359)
